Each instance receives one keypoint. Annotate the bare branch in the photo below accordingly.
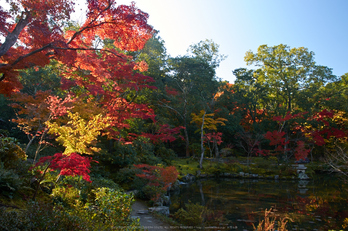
(167, 106)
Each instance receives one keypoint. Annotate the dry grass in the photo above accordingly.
(272, 222)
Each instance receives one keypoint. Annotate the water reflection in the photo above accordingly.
(318, 204)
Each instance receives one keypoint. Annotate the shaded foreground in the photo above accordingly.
(319, 204)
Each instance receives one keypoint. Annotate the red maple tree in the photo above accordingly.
(68, 165)
(34, 33)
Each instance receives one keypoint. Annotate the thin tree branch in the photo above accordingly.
(167, 106)
(88, 26)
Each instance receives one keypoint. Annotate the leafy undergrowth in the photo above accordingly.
(266, 167)
(62, 202)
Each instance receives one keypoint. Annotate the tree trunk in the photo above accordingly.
(12, 37)
(187, 143)
(216, 150)
(202, 147)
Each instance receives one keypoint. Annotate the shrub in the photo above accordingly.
(110, 211)
(114, 208)
(10, 152)
(290, 171)
(118, 156)
(12, 220)
(273, 159)
(41, 216)
(166, 154)
(98, 182)
(262, 162)
(127, 178)
(10, 182)
(67, 196)
(192, 215)
(215, 169)
(235, 167)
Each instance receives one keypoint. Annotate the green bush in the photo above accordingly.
(262, 162)
(126, 177)
(114, 208)
(166, 154)
(151, 193)
(67, 196)
(110, 210)
(145, 151)
(117, 157)
(215, 169)
(235, 167)
(10, 182)
(121, 155)
(192, 215)
(98, 182)
(12, 220)
(10, 152)
(288, 170)
(273, 159)
(41, 216)
(195, 149)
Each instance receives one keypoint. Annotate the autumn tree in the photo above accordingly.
(155, 56)
(33, 112)
(249, 142)
(100, 75)
(78, 135)
(207, 121)
(33, 34)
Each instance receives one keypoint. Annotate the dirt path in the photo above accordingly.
(147, 220)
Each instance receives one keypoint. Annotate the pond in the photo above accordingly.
(236, 204)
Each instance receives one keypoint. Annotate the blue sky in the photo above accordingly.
(242, 25)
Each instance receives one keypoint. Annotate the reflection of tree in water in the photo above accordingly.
(238, 202)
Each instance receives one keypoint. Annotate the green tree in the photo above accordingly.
(335, 95)
(155, 55)
(208, 51)
(189, 79)
(251, 98)
(287, 72)
(193, 79)
(41, 79)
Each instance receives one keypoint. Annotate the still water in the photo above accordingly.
(236, 204)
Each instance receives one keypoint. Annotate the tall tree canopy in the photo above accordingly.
(207, 50)
(286, 72)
